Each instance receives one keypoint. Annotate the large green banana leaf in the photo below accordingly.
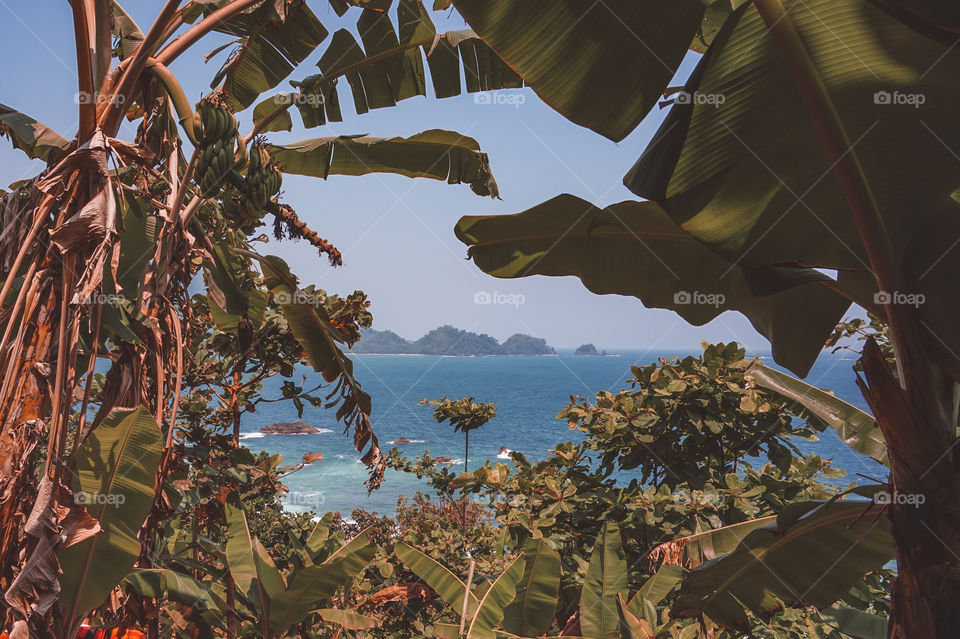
(438, 577)
(387, 66)
(33, 138)
(532, 612)
(634, 248)
(347, 619)
(312, 327)
(606, 578)
(171, 585)
(740, 165)
(602, 65)
(811, 557)
(490, 611)
(113, 474)
(251, 567)
(942, 15)
(857, 429)
(743, 169)
(656, 588)
(856, 624)
(435, 154)
(696, 549)
(317, 584)
(276, 37)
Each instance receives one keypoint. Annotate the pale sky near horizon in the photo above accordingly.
(396, 233)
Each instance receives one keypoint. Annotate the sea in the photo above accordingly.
(528, 393)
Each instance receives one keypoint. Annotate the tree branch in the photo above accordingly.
(173, 50)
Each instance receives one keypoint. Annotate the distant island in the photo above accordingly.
(448, 340)
(590, 350)
(289, 428)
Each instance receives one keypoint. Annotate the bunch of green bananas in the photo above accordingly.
(216, 159)
(262, 182)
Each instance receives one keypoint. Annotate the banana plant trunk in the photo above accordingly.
(916, 409)
(922, 500)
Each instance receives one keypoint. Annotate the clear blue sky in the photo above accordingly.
(396, 233)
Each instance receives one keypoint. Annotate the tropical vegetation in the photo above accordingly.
(807, 164)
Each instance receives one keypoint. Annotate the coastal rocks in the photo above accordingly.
(289, 428)
(400, 440)
(590, 350)
(443, 460)
(504, 453)
(309, 458)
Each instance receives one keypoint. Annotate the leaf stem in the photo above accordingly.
(466, 595)
(111, 117)
(85, 88)
(849, 173)
(173, 50)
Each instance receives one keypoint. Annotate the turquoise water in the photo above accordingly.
(528, 393)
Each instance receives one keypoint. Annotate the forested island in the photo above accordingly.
(447, 340)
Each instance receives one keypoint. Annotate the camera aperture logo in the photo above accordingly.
(716, 100)
(516, 100)
(896, 298)
(100, 98)
(486, 298)
(308, 500)
(896, 98)
(696, 298)
(98, 297)
(298, 99)
(298, 297)
(698, 498)
(99, 499)
(884, 498)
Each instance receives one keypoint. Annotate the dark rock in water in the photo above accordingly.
(289, 428)
(400, 440)
(588, 350)
(443, 460)
(309, 458)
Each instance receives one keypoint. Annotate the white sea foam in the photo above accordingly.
(505, 454)
(252, 436)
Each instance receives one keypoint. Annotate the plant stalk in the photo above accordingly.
(173, 50)
(466, 595)
(849, 173)
(111, 117)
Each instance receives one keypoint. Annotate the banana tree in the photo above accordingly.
(101, 248)
(281, 601)
(807, 163)
(522, 601)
